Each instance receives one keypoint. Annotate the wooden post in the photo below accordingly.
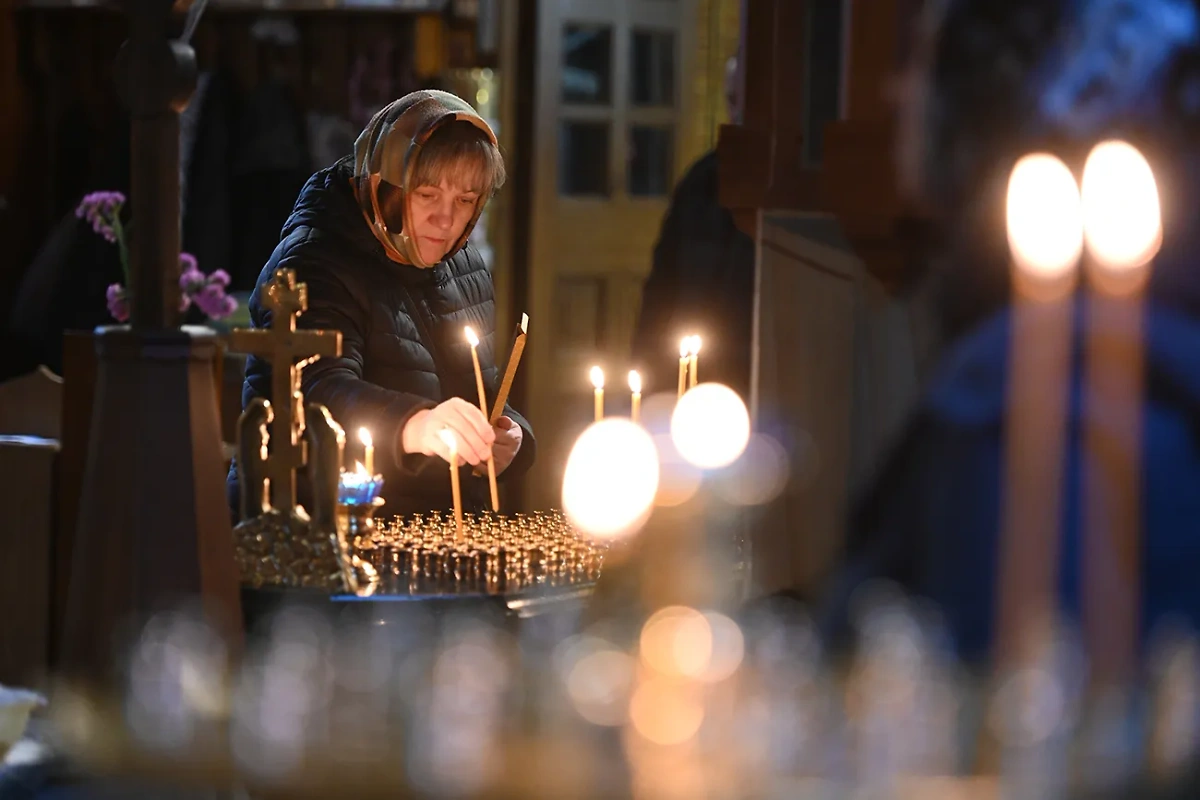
(154, 526)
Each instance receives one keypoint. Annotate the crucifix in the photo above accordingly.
(282, 344)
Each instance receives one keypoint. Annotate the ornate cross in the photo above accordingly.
(282, 344)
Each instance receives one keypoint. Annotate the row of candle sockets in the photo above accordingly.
(426, 553)
(457, 569)
(689, 358)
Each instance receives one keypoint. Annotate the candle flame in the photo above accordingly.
(694, 345)
(524, 323)
(635, 382)
(1121, 211)
(685, 347)
(359, 468)
(471, 337)
(597, 376)
(447, 436)
(364, 436)
(1045, 220)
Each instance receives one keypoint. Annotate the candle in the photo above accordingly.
(684, 351)
(597, 376)
(693, 360)
(364, 436)
(452, 443)
(635, 386)
(1045, 236)
(491, 462)
(1122, 224)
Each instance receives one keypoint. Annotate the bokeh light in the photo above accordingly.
(678, 481)
(710, 426)
(727, 650)
(1045, 220)
(598, 678)
(758, 476)
(610, 479)
(677, 641)
(665, 712)
(1121, 213)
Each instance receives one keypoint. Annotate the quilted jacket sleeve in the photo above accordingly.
(337, 383)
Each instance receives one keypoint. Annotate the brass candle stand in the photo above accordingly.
(356, 522)
(495, 554)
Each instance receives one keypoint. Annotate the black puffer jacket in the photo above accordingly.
(403, 347)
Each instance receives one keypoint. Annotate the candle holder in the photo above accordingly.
(358, 488)
(494, 555)
(357, 533)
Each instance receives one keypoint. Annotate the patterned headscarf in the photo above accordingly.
(388, 150)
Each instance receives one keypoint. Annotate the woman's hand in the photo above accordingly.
(474, 436)
(508, 441)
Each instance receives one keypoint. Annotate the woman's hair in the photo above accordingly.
(992, 80)
(462, 155)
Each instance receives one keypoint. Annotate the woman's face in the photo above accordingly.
(439, 216)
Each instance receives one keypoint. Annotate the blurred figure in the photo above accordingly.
(702, 279)
(992, 81)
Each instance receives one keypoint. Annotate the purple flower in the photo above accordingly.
(102, 210)
(118, 302)
(213, 301)
(192, 281)
(187, 263)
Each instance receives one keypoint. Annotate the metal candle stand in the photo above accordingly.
(495, 554)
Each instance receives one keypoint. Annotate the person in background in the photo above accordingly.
(994, 80)
(701, 280)
(381, 240)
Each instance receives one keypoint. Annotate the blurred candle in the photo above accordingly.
(635, 386)
(684, 348)
(693, 360)
(452, 443)
(1045, 236)
(1123, 230)
(597, 376)
(364, 436)
(491, 462)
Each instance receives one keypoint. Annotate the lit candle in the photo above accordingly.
(684, 351)
(364, 436)
(693, 360)
(635, 386)
(452, 443)
(598, 382)
(491, 462)
(1122, 224)
(1045, 236)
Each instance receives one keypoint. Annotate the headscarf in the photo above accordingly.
(385, 159)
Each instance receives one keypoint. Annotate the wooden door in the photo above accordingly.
(610, 140)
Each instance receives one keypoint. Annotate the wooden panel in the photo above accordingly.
(79, 383)
(834, 375)
(31, 405)
(26, 529)
(804, 383)
(873, 41)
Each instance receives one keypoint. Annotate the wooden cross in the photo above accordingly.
(282, 344)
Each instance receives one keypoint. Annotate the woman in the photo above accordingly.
(998, 79)
(380, 239)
